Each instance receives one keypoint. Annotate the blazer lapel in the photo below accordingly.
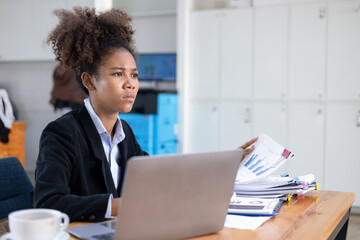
(96, 145)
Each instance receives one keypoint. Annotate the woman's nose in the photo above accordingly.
(130, 83)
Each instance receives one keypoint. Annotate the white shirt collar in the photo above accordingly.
(119, 131)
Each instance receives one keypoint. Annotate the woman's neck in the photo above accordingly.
(107, 119)
(109, 123)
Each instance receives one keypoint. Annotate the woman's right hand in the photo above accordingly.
(115, 206)
(246, 147)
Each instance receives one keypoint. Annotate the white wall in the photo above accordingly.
(145, 6)
(155, 33)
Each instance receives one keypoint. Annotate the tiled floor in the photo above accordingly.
(354, 227)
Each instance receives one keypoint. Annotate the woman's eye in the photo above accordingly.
(134, 75)
(119, 74)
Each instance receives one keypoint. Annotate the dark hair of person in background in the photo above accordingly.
(66, 92)
(83, 38)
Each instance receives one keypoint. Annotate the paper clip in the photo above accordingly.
(296, 180)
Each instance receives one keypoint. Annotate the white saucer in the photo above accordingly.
(62, 236)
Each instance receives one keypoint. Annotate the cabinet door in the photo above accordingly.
(306, 139)
(271, 52)
(343, 69)
(236, 54)
(204, 55)
(203, 126)
(342, 148)
(235, 123)
(270, 118)
(307, 51)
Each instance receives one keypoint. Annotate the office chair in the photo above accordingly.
(16, 189)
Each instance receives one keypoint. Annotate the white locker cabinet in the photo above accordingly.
(220, 79)
(343, 51)
(236, 54)
(203, 126)
(221, 54)
(204, 55)
(307, 51)
(342, 148)
(306, 139)
(235, 123)
(270, 118)
(271, 52)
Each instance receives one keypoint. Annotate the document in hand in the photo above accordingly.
(267, 156)
(254, 206)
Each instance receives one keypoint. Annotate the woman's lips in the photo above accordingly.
(129, 98)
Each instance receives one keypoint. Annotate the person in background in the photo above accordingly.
(83, 154)
(66, 94)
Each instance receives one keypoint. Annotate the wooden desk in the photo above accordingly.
(316, 215)
(16, 145)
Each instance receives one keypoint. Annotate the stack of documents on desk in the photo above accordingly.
(253, 178)
(276, 187)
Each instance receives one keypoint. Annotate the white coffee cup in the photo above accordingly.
(36, 224)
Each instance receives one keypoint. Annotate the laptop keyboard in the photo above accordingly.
(106, 236)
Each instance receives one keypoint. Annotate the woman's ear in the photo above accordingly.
(88, 81)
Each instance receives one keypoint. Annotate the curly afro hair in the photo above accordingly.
(83, 38)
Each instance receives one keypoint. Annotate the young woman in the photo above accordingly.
(83, 154)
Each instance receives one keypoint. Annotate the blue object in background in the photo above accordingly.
(157, 67)
(143, 128)
(166, 137)
(156, 132)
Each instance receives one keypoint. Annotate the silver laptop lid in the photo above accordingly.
(176, 196)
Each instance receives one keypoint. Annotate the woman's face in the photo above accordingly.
(116, 84)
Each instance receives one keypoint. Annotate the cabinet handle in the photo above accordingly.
(358, 120)
(357, 9)
(247, 115)
(322, 12)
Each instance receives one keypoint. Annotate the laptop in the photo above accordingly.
(171, 197)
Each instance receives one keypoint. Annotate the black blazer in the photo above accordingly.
(72, 173)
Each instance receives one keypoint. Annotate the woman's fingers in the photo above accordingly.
(247, 144)
(246, 147)
(248, 150)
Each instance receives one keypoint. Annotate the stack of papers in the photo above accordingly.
(258, 193)
(276, 187)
